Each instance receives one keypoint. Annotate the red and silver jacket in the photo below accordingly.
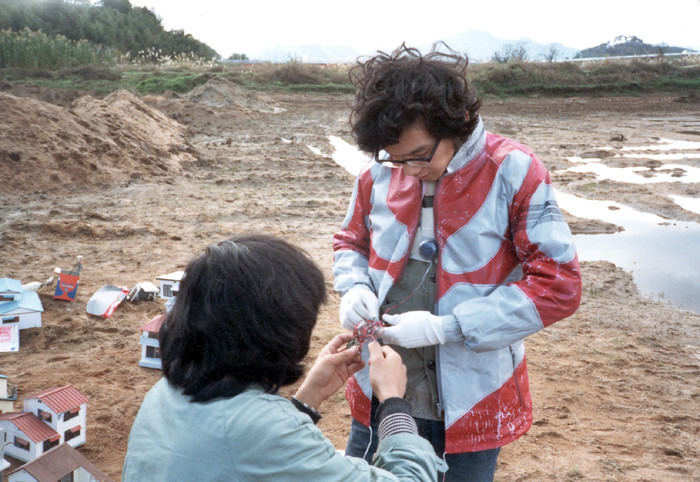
(507, 269)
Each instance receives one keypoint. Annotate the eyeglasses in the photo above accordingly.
(418, 162)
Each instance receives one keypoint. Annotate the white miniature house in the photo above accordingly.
(150, 347)
(27, 436)
(18, 306)
(170, 284)
(48, 419)
(8, 395)
(64, 409)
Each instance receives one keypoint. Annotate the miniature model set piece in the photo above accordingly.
(144, 290)
(48, 419)
(105, 300)
(19, 309)
(150, 347)
(365, 331)
(67, 284)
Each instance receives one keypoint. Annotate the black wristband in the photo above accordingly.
(307, 409)
(391, 406)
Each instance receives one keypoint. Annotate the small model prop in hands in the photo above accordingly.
(330, 371)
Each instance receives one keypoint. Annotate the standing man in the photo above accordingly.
(453, 237)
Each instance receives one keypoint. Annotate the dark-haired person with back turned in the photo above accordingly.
(237, 333)
(453, 237)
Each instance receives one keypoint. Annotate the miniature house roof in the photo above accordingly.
(148, 287)
(174, 276)
(31, 426)
(27, 300)
(8, 285)
(61, 399)
(154, 325)
(59, 462)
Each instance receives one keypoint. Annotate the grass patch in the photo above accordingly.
(619, 77)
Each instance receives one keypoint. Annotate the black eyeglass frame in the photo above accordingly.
(411, 162)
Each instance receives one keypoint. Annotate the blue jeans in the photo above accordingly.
(467, 466)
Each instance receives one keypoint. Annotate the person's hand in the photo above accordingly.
(387, 373)
(330, 371)
(358, 304)
(414, 329)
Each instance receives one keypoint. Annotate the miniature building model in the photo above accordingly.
(8, 395)
(170, 284)
(64, 409)
(49, 418)
(150, 348)
(28, 436)
(58, 464)
(19, 306)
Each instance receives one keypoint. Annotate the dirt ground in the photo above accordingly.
(140, 186)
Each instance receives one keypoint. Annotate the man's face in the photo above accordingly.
(416, 142)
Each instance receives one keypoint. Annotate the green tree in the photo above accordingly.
(238, 57)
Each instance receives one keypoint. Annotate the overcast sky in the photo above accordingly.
(248, 26)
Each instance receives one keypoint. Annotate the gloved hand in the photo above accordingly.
(358, 304)
(414, 329)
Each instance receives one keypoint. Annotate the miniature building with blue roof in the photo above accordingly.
(19, 306)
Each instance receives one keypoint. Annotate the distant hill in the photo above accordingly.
(316, 53)
(627, 45)
(478, 45)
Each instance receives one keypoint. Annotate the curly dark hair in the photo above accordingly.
(392, 91)
(244, 314)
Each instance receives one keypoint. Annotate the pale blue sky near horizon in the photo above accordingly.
(369, 25)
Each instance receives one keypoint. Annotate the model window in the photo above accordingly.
(67, 478)
(152, 352)
(45, 416)
(48, 444)
(71, 433)
(70, 414)
(21, 443)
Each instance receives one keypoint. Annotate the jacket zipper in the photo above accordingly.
(440, 406)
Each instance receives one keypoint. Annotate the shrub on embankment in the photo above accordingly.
(36, 50)
(57, 62)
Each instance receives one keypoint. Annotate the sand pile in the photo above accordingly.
(219, 92)
(96, 142)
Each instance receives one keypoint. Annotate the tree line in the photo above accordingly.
(113, 24)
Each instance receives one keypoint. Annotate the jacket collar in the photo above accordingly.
(469, 150)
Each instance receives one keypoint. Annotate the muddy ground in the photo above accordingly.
(616, 387)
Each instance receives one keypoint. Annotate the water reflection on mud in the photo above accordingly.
(662, 256)
(683, 150)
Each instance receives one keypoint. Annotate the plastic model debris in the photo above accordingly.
(67, 284)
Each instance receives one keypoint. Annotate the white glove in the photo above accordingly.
(414, 329)
(357, 305)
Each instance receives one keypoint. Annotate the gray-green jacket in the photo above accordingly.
(254, 436)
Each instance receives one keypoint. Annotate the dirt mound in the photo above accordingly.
(219, 92)
(44, 147)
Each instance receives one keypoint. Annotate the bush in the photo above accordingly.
(27, 49)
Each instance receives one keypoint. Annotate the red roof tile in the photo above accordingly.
(154, 325)
(30, 425)
(61, 399)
